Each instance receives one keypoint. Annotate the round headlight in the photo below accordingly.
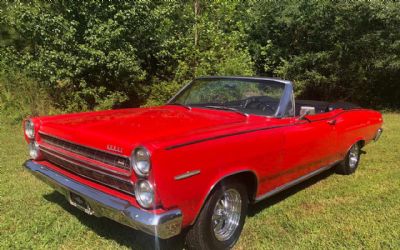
(29, 129)
(141, 161)
(144, 193)
(34, 151)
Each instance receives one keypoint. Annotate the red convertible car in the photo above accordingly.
(198, 161)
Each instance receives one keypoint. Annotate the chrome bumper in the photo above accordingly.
(100, 204)
(378, 134)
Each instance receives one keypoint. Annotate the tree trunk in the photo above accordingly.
(196, 15)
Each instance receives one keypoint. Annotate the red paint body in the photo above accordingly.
(218, 143)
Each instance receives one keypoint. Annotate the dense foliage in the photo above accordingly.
(101, 54)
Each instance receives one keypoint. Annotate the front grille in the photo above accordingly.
(98, 155)
(86, 171)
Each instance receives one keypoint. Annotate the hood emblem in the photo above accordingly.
(114, 148)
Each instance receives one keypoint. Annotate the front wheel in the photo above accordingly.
(350, 163)
(221, 220)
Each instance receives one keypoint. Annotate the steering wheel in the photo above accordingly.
(253, 103)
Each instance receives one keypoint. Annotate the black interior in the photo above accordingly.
(322, 107)
(264, 105)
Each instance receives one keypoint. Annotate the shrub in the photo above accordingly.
(20, 97)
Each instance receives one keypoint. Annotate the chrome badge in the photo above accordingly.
(114, 148)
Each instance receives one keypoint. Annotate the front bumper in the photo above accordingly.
(100, 204)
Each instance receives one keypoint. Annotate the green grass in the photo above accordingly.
(328, 211)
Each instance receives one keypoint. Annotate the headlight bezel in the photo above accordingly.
(135, 162)
(33, 146)
(139, 194)
(29, 129)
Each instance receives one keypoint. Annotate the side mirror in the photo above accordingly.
(306, 110)
(303, 115)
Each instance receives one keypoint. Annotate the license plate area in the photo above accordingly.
(80, 203)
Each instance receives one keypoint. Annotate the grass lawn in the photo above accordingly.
(328, 211)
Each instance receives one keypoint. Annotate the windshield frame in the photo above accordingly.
(285, 100)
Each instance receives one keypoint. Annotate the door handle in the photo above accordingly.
(331, 122)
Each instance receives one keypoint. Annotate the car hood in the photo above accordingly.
(128, 128)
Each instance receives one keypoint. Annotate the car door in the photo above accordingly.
(309, 144)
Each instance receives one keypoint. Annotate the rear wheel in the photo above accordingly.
(350, 163)
(221, 220)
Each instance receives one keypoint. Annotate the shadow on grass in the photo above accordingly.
(138, 240)
(268, 202)
(112, 230)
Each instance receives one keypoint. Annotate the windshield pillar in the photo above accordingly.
(287, 101)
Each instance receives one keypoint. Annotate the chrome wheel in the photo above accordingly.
(354, 155)
(226, 215)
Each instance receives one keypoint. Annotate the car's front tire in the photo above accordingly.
(350, 163)
(221, 220)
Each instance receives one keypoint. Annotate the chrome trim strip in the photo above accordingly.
(90, 169)
(96, 168)
(164, 225)
(86, 146)
(78, 162)
(286, 97)
(186, 175)
(294, 182)
(250, 78)
(179, 92)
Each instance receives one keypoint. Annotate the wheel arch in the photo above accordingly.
(359, 140)
(248, 177)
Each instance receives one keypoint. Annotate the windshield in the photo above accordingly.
(250, 96)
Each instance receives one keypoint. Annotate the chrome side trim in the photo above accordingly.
(163, 225)
(186, 175)
(294, 182)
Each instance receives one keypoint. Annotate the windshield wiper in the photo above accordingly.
(181, 105)
(227, 108)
